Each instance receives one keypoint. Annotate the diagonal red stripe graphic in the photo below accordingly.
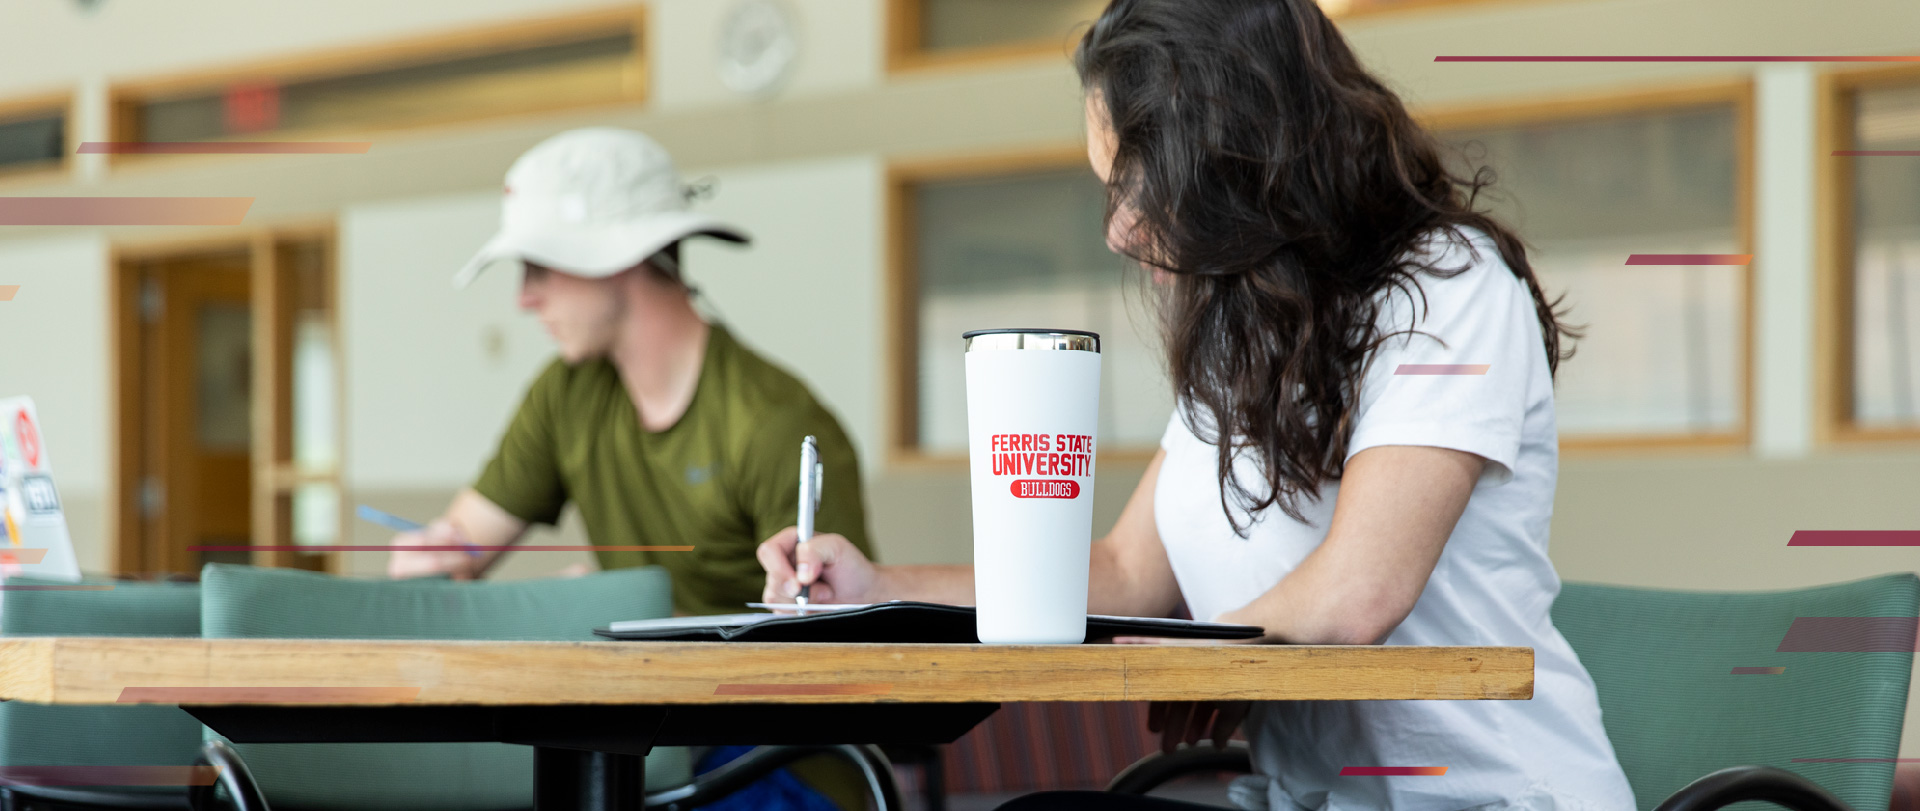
(1851, 635)
(268, 695)
(849, 689)
(109, 775)
(1855, 537)
(1690, 259)
(123, 210)
(1676, 59)
(225, 147)
(1392, 771)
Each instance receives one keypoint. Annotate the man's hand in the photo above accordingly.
(1192, 721)
(457, 561)
(833, 566)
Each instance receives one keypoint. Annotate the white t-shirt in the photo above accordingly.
(1493, 584)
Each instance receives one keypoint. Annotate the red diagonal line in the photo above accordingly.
(23, 555)
(850, 689)
(56, 588)
(1442, 368)
(109, 775)
(123, 210)
(1855, 537)
(268, 695)
(225, 147)
(1856, 760)
(1392, 771)
(1851, 635)
(1757, 671)
(1676, 59)
(1690, 259)
(7, 291)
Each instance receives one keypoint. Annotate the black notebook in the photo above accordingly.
(899, 622)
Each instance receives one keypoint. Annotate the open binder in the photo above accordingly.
(898, 622)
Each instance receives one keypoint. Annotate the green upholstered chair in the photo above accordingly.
(44, 735)
(1690, 734)
(1664, 660)
(242, 601)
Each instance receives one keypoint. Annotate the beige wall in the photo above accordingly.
(426, 399)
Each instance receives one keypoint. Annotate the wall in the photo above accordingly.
(53, 346)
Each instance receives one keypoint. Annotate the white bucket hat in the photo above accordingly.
(593, 202)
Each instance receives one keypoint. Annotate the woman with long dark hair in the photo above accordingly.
(1316, 263)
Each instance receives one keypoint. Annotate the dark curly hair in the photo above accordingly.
(1289, 192)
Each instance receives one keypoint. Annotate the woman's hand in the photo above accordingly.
(830, 564)
(1193, 721)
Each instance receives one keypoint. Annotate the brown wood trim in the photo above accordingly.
(125, 96)
(272, 436)
(270, 383)
(99, 670)
(124, 519)
(1561, 109)
(901, 276)
(1746, 210)
(500, 35)
(1834, 264)
(1640, 444)
(906, 51)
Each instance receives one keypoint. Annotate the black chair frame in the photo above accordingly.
(1710, 793)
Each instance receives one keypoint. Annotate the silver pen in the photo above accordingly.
(812, 474)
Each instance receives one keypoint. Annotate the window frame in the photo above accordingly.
(275, 476)
(1834, 277)
(906, 53)
(125, 97)
(1565, 108)
(902, 290)
(44, 103)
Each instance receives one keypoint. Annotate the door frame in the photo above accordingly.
(273, 478)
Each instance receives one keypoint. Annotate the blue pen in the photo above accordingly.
(398, 524)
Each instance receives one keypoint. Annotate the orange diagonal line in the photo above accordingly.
(837, 689)
(268, 695)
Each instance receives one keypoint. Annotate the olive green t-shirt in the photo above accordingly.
(722, 479)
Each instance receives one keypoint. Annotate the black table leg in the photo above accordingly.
(575, 780)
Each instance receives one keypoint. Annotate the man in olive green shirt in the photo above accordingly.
(662, 429)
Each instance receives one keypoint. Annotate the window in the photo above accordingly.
(993, 244)
(927, 33)
(33, 135)
(1666, 354)
(533, 67)
(935, 32)
(1878, 392)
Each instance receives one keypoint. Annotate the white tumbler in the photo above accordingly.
(1033, 399)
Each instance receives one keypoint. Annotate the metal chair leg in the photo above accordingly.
(242, 793)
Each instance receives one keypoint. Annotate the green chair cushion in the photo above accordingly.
(45, 735)
(242, 601)
(1663, 663)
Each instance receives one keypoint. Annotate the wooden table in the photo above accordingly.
(592, 709)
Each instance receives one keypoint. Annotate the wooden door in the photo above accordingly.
(195, 409)
(205, 355)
